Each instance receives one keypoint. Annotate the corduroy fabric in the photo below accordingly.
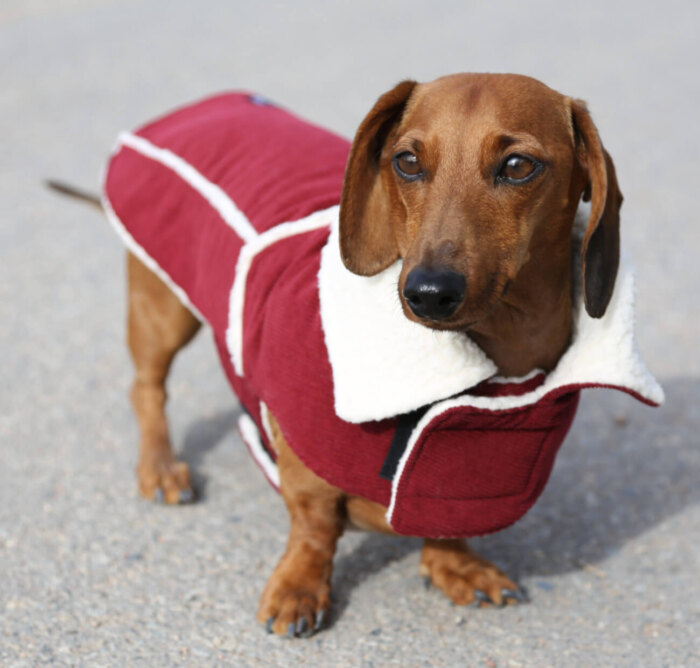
(470, 471)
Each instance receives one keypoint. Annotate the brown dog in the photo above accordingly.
(472, 180)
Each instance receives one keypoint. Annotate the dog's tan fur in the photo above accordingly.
(513, 245)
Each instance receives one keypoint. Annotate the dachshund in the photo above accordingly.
(472, 182)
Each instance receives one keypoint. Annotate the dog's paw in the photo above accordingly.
(294, 609)
(466, 578)
(165, 481)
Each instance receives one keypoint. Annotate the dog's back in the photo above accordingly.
(171, 184)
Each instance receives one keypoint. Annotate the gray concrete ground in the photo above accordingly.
(91, 575)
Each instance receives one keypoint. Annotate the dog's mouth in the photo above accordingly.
(441, 325)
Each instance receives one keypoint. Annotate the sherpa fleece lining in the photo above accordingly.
(383, 363)
(386, 365)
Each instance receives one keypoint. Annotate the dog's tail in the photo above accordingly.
(72, 191)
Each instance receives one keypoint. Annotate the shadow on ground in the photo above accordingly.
(624, 469)
(202, 437)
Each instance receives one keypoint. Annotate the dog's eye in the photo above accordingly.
(518, 169)
(406, 165)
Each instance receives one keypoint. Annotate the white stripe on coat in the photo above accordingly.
(234, 333)
(251, 437)
(216, 197)
(138, 250)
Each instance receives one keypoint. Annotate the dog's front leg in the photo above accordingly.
(297, 595)
(464, 576)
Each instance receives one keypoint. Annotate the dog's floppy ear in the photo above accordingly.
(367, 243)
(600, 253)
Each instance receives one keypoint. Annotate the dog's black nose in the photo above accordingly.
(434, 294)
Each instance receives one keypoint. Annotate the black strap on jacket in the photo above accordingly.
(406, 424)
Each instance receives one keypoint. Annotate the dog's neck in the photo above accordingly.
(530, 328)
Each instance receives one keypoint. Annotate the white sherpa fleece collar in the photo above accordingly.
(385, 365)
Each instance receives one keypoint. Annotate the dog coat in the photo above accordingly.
(233, 203)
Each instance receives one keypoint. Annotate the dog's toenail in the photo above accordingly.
(515, 594)
(290, 630)
(481, 597)
(268, 624)
(158, 496)
(320, 617)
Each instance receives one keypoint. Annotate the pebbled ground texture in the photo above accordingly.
(92, 575)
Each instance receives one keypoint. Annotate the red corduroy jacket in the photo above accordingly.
(232, 201)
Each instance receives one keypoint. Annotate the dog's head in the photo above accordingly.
(462, 178)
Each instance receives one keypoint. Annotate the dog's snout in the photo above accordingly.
(434, 294)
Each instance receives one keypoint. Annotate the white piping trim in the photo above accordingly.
(234, 333)
(142, 255)
(216, 197)
(505, 380)
(603, 352)
(251, 437)
(265, 420)
(415, 435)
(383, 363)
